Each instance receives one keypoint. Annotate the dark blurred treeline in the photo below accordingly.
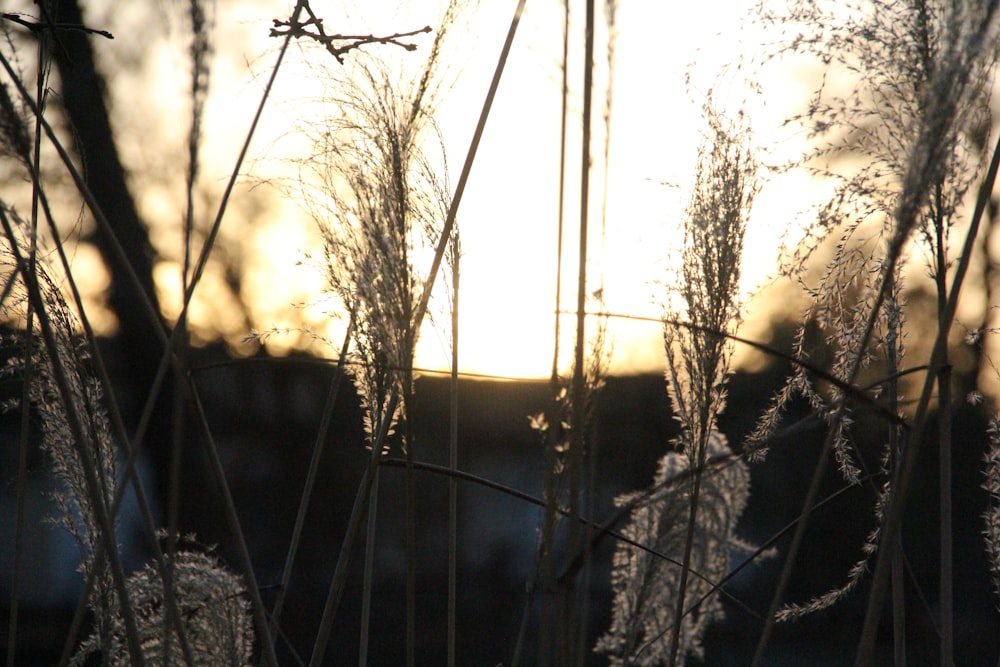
(264, 416)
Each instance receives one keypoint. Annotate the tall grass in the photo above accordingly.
(916, 117)
(915, 122)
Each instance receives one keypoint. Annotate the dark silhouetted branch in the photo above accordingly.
(298, 29)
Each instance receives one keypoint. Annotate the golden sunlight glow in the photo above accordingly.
(212, 311)
(93, 280)
(508, 218)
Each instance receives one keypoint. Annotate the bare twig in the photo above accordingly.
(43, 26)
(296, 29)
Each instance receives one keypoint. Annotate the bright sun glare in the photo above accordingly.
(508, 217)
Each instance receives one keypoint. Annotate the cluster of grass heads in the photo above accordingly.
(691, 522)
(917, 119)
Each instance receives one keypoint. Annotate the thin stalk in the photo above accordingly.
(407, 426)
(945, 590)
(546, 538)
(591, 484)
(22, 476)
(544, 573)
(131, 446)
(692, 522)
(560, 216)
(177, 434)
(174, 490)
(895, 456)
(366, 583)
(575, 456)
(453, 464)
(411, 524)
(590, 505)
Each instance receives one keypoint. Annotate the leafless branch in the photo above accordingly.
(302, 29)
(41, 26)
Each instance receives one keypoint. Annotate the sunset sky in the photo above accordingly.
(509, 213)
